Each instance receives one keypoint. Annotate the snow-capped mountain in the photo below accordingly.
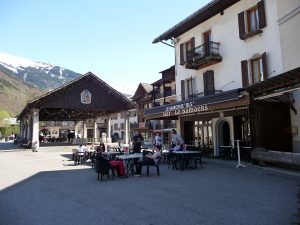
(39, 74)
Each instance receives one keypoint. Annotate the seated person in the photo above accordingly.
(118, 165)
(178, 147)
(148, 159)
(82, 149)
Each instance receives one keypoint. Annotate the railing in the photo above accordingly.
(201, 94)
(203, 54)
(134, 125)
(146, 125)
(167, 94)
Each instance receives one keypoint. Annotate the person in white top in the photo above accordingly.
(148, 159)
(158, 141)
(176, 138)
(82, 149)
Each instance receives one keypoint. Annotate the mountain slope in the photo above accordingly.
(40, 75)
(14, 94)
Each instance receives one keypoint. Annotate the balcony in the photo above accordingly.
(145, 125)
(203, 55)
(134, 125)
(168, 92)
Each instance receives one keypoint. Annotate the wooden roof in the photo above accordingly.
(142, 90)
(280, 83)
(65, 103)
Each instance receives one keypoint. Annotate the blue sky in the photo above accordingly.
(112, 39)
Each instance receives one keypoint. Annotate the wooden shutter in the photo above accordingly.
(186, 52)
(264, 65)
(209, 83)
(192, 85)
(181, 54)
(261, 14)
(192, 44)
(182, 90)
(244, 67)
(241, 20)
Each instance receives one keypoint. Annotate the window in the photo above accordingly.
(209, 83)
(203, 133)
(122, 126)
(182, 90)
(257, 69)
(185, 48)
(252, 21)
(207, 43)
(115, 126)
(189, 85)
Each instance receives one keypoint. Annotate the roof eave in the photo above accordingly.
(209, 10)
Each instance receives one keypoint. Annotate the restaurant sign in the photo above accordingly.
(184, 108)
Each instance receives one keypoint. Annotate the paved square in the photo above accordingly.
(44, 188)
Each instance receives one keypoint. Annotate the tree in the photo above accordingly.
(4, 115)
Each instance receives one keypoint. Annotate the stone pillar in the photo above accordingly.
(76, 129)
(94, 131)
(35, 128)
(126, 122)
(21, 128)
(108, 135)
(84, 130)
(28, 124)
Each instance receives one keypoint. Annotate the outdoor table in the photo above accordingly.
(129, 161)
(111, 154)
(182, 156)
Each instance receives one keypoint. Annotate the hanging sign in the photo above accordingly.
(86, 97)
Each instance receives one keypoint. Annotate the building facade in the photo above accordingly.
(220, 50)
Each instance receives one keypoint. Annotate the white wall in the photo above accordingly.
(289, 24)
(225, 29)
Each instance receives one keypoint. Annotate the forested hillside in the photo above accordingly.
(14, 94)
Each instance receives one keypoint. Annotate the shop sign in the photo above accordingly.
(184, 108)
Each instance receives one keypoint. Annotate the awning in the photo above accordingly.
(275, 86)
(206, 104)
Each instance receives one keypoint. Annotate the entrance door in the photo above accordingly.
(224, 133)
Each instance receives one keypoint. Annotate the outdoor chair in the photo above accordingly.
(27, 145)
(102, 167)
(150, 162)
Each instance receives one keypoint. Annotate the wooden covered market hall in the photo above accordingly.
(85, 98)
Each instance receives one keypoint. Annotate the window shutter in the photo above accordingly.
(186, 52)
(181, 54)
(244, 67)
(182, 90)
(192, 85)
(241, 25)
(193, 44)
(261, 14)
(264, 65)
(209, 83)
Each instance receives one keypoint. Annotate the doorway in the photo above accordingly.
(223, 133)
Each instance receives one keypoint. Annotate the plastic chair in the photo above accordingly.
(102, 167)
(152, 163)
